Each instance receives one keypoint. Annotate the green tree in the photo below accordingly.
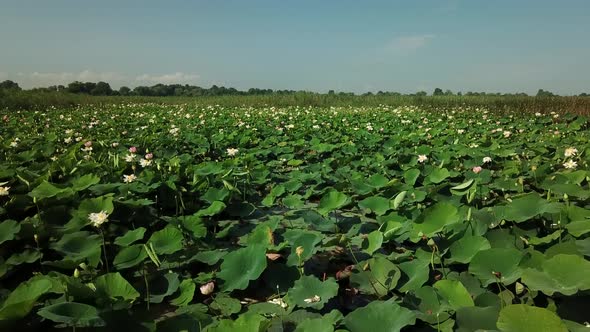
(9, 85)
(438, 92)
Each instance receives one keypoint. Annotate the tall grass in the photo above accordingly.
(14, 100)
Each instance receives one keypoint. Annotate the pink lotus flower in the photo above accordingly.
(133, 149)
(88, 144)
(149, 156)
(477, 169)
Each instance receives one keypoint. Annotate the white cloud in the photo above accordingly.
(408, 44)
(177, 77)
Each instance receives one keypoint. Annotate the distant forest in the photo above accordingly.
(179, 90)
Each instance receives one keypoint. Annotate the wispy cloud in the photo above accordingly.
(177, 77)
(408, 44)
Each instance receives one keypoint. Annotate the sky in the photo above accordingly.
(344, 45)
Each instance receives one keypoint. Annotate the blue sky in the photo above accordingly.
(405, 46)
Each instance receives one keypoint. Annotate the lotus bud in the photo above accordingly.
(76, 273)
(299, 251)
(207, 288)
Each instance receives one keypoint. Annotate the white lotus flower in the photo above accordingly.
(279, 301)
(570, 164)
(313, 299)
(130, 158)
(571, 151)
(4, 191)
(145, 162)
(232, 151)
(422, 158)
(129, 178)
(487, 160)
(97, 219)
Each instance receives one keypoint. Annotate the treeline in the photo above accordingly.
(179, 90)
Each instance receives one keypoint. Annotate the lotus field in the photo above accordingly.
(144, 217)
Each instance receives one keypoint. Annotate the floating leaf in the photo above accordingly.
(130, 257)
(525, 318)
(187, 292)
(163, 286)
(8, 229)
(21, 300)
(374, 241)
(72, 314)
(496, 264)
(565, 274)
(331, 201)
(376, 276)
(241, 266)
(130, 237)
(113, 288)
(455, 293)
(379, 316)
(376, 204)
(167, 240)
(309, 291)
(464, 249)
(435, 218)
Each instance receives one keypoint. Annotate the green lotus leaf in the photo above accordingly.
(377, 181)
(72, 314)
(187, 292)
(241, 266)
(377, 276)
(215, 194)
(315, 325)
(130, 257)
(331, 201)
(373, 242)
(48, 190)
(565, 274)
(436, 218)
(79, 246)
(455, 293)
(525, 318)
(496, 264)
(528, 206)
(245, 322)
(163, 286)
(167, 241)
(379, 316)
(130, 237)
(376, 204)
(21, 300)
(226, 305)
(8, 229)
(464, 249)
(112, 287)
(417, 273)
(471, 319)
(84, 182)
(411, 175)
(310, 292)
(307, 240)
(438, 175)
(213, 209)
